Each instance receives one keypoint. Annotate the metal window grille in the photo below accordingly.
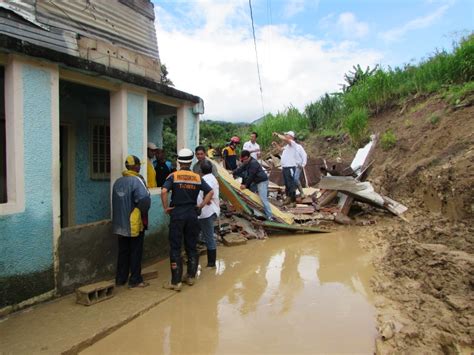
(100, 150)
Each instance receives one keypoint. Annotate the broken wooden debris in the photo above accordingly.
(94, 293)
(362, 191)
(290, 228)
(248, 196)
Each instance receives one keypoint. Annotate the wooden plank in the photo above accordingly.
(250, 196)
(229, 194)
(290, 228)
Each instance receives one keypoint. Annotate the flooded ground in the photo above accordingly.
(293, 294)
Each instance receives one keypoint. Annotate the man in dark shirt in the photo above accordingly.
(230, 156)
(162, 168)
(183, 210)
(253, 174)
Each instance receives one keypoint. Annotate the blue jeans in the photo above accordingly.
(263, 193)
(207, 230)
(290, 185)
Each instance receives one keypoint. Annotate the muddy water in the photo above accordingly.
(294, 294)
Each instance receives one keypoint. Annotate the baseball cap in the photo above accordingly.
(152, 146)
(290, 133)
(132, 160)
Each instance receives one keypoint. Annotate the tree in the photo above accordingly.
(164, 76)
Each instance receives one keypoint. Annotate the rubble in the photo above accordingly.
(329, 192)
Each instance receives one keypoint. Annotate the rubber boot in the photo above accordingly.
(193, 261)
(211, 258)
(177, 273)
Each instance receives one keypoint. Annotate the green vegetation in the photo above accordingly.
(356, 125)
(434, 119)
(289, 120)
(369, 91)
(388, 140)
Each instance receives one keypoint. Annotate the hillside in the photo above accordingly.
(424, 267)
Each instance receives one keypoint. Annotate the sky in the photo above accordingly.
(304, 46)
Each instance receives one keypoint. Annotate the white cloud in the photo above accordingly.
(216, 60)
(294, 7)
(418, 23)
(347, 21)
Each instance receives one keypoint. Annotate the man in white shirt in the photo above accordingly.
(290, 159)
(209, 212)
(303, 159)
(252, 146)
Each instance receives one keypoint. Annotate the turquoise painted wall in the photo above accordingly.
(26, 238)
(135, 111)
(92, 197)
(155, 130)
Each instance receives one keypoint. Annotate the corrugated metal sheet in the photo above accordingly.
(23, 8)
(102, 19)
(58, 40)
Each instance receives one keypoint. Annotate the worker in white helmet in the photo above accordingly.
(185, 186)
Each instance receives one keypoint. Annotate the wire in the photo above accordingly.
(256, 56)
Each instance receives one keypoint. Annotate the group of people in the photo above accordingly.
(194, 202)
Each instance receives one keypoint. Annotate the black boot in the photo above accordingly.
(193, 262)
(211, 258)
(177, 273)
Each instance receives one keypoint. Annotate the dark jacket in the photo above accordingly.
(251, 172)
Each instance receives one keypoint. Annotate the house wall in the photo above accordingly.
(26, 237)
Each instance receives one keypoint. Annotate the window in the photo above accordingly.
(3, 141)
(100, 150)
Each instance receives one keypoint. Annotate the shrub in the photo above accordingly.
(356, 126)
(434, 119)
(325, 113)
(388, 140)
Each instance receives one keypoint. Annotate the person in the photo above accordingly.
(302, 161)
(289, 160)
(130, 204)
(185, 186)
(150, 167)
(201, 158)
(162, 168)
(254, 175)
(209, 212)
(229, 154)
(252, 146)
(211, 152)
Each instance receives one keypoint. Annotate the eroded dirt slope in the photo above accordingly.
(425, 266)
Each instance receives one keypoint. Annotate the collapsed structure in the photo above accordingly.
(336, 187)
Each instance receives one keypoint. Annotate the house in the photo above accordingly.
(80, 90)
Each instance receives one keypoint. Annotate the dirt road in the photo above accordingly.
(294, 294)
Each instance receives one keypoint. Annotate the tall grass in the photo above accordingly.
(289, 120)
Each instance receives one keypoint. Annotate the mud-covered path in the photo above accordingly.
(293, 294)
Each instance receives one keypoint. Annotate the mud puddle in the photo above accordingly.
(294, 294)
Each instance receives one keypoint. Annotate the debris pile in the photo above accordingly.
(331, 189)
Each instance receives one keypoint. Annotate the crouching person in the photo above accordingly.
(185, 186)
(209, 212)
(130, 205)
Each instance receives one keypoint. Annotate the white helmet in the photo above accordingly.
(185, 156)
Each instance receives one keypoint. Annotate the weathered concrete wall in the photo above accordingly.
(26, 238)
(136, 118)
(156, 238)
(87, 254)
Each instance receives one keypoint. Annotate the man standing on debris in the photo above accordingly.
(201, 158)
(150, 166)
(252, 146)
(302, 161)
(254, 176)
(229, 154)
(184, 210)
(209, 212)
(290, 158)
(130, 205)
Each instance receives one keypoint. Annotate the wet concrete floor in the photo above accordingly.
(292, 294)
